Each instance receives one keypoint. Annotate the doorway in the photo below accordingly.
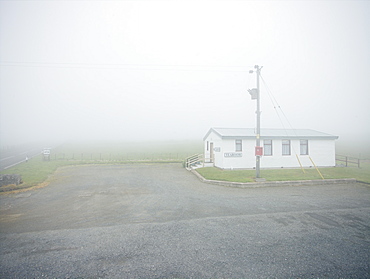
(211, 154)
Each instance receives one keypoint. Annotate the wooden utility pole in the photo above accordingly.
(255, 93)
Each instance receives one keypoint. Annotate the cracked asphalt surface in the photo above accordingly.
(160, 221)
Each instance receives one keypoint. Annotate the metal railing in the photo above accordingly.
(193, 160)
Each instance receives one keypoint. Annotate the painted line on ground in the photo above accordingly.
(24, 160)
(7, 167)
(7, 158)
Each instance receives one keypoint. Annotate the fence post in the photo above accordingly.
(346, 161)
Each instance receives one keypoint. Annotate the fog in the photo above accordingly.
(170, 70)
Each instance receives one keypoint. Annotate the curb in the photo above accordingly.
(273, 183)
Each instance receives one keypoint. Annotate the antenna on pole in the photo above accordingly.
(255, 94)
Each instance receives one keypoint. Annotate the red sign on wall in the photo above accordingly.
(259, 151)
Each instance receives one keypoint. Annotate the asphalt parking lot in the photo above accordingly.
(160, 221)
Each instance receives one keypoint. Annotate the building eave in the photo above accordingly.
(210, 131)
(248, 133)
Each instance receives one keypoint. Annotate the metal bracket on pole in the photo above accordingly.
(254, 93)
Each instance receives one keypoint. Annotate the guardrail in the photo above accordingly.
(348, 160)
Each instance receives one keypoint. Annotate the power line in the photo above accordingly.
(145, 67)
(277, 109)
(276, 106)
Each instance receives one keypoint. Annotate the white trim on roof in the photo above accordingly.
(249, 133)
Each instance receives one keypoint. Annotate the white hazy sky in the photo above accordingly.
(134, 70)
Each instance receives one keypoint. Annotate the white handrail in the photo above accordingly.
(193, 160)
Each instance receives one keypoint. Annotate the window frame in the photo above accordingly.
(287, 144)
(238, 145)
(266, 149)
(305, 145)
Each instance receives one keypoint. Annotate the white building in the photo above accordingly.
(229, 148)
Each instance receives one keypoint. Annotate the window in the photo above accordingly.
(238, 145)
(286, 147)
(304, 147)
(267, 146)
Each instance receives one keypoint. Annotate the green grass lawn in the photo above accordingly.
(361, 174)
(34, 172)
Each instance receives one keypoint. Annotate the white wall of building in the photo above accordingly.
(228, 159)
(322, 153)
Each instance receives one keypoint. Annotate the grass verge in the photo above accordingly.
(361, 174)
(33, 173)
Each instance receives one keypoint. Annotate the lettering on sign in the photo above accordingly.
(217, 149)
(233, 154)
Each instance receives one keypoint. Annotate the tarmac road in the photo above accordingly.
(160, 221)
(16, 155)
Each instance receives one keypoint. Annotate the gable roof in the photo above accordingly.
(249, 133)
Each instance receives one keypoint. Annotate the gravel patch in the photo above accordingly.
(160, 221)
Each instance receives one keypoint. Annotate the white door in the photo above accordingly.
(211, 154)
